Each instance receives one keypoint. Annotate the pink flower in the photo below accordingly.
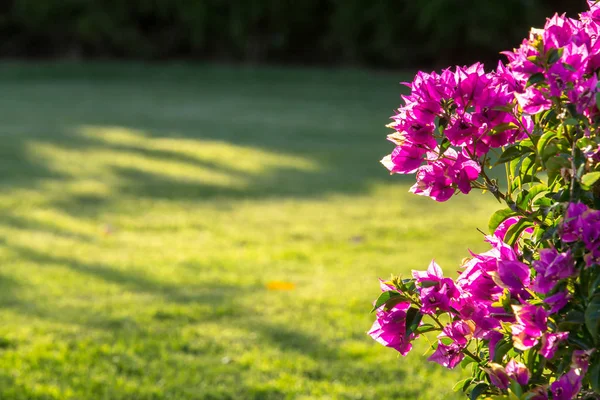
(567, 386)
(405, 159)
(433, 274)
(533, 101)
(459, 331)
(531, 324)
(498, 376)
(518, 371)
(557, 301)
(448, 356)
(551, 268)
(514, 275)
(581, 359)
(435, 290)
(389, 329)
(550, 343)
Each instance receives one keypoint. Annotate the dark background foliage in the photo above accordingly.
(380, 33)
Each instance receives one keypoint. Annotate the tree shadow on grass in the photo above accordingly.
(334, 122)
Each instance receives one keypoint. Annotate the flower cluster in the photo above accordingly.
(448, 122)
(524, 315)
(498, 308)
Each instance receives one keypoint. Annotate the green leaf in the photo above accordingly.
(598, 100)
(444, 145)
(478, 391)
(468, 360)
(535, 78)
(385, 297)
(544, 140)
(515, 231)
(460, 385)
(502, 347)
(425, 328)
(554, 165)
(590, 178)
(413, 319)
(592, 316)
(554, 55)
(503, 128)
(512, 153)
(498, 217)
(594, 377)
(516, 389)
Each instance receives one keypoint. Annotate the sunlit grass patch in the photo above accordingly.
(143, 222)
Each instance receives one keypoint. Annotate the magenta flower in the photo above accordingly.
(551, 268)
(531, 324)
(459, 331)
(501, 230)
(465, 171)
(435, 290)
(470, 83)
(567, 386)
(533, 100)
(522, 339)
(433, 181)
(498, 376)
(493, 338)
(557, 301)
(518, 371)
(559, 31)
(550, 343)
(434, 274)
(448, 356)
(592, 258)
(581, 359)
(389, 329)
(405, 159)
(571, 227)
(461, 131)
(590, 229)
(514, 275)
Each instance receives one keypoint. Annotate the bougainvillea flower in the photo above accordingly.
(514, 275)
(533, 101)
(567, 386)
(433, 181)
(531, 324)
(465, 171)
(551, 268)
(434, 274)
(498, 376)
(557, 301)
(459, 331)
(405, 159)
(571, 226)
(389, 329)
(518, 371)
(522, 339)
(581, 359)
(590, 229)
(550, 343)
(448, 356)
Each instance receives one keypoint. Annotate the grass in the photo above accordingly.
(144, 211)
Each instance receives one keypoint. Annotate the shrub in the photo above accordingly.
(524, 316)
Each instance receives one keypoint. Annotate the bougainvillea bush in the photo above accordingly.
(524, 316)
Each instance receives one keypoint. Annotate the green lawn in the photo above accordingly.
(144, 210)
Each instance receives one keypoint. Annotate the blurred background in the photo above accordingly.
(379, 34)
(191, 203)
